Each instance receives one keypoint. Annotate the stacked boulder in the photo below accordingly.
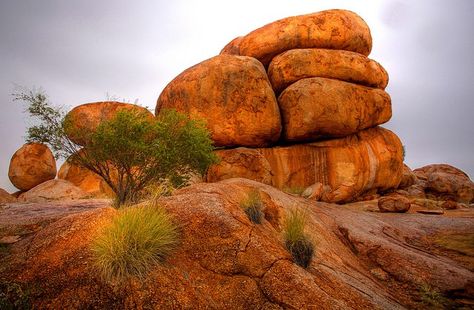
(297, 103)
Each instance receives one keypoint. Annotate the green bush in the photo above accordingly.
(294, 190)
(297, 242)
(253, 206)
(137, 239)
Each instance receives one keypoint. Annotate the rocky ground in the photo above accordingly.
(364, 259)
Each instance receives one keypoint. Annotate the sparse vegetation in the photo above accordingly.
(253, 206)
(130, 151)
(297, 242)
(404, 152)
(13, 297)
(294, 190)
(432, 297)
(137, 239)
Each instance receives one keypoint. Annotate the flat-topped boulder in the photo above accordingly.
(31, 165)
(315, 108)
(233, 95)
(297, 64)
(85, 118)
(331, 29)
(53, 190)
(346, 167)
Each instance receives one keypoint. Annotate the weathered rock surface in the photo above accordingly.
(318, 107)
(297, 64)
(394, 203)
(86, 117)
(53, 190)
(331, 29)
(6, 197)
(31, 165)
(234, 96)
(364, 260)
(446, 183)
(348, 167)
(86, 180)
(408, 177)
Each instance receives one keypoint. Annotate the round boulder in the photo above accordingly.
(394, 203)
(297, 64)
(331, 29)
(315, 108)
(233, 95)
(31, 165)
(86, 118)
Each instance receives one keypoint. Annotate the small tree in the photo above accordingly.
(130, 151)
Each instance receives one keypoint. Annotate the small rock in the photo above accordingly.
(380, 274)
(9, 239)
(450, 205)
(433, 212)
(394, 203)
(314, 191)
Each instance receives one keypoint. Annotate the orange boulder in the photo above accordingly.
(87, 117)
(347, 167)
(297, 64)
(233, 95)
(332, 29)
(31, 165)
(318, 107)
(86, 180)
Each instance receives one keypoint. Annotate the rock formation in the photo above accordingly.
(86, 117)
(327, 87)
(31, 165)
(53, 190)
(5, 197)
(234, 96)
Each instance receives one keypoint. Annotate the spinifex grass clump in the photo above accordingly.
(253, 206)
(296, 241)
(137, 239)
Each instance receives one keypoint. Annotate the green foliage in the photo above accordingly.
(297, 242)
(14, 297)
(432, 297)
(253, 206)
(136, 240)
(404, 152)
(129, 151)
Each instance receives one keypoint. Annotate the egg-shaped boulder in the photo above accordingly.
(297, 64)
(331, 29)
(315, 108)
(233, 95)
(31, 165)
(85, 118)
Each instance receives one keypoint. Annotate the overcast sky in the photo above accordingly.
(80, 51)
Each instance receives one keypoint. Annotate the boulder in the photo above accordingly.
(86, 118)
(408, 177)
(232, 47)
(53, 190)
(5, 197)
(394, 203)
(315, 108)
(31, 165)
(347, 167)
(446, 182)
(331, 29)
(233, 95)
(297, 64)
(86, 180)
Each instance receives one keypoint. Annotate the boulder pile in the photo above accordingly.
(297, 104)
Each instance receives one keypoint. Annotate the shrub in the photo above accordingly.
(294, 190)
(297, 242)
(432, 297)
(137, 239)
(252, 206)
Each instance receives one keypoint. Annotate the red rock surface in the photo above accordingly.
(394, 203)
(233, 95)
(363, 260)
(297, 64)
(31, 165)
(348, 167)
(313, 108)
(332, 29)
(5, 197)
(86, 117)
